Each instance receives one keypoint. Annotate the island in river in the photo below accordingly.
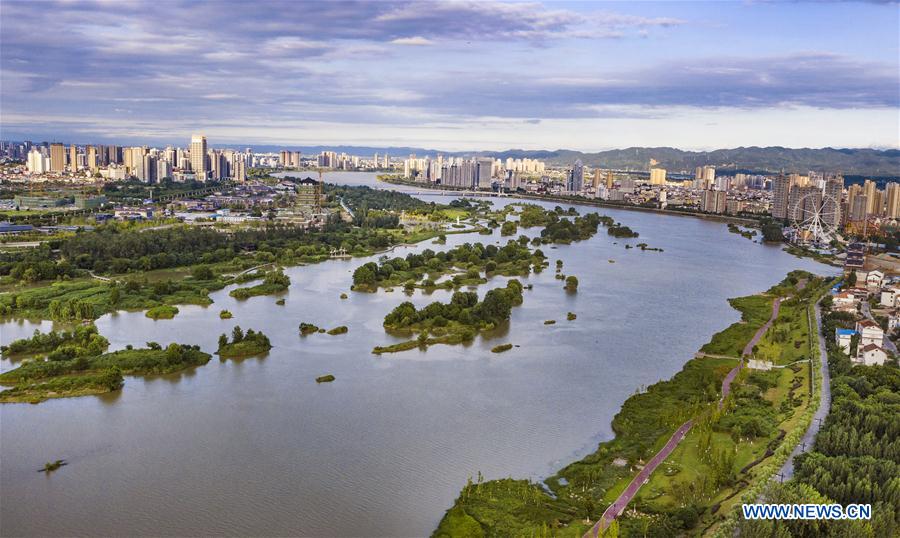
(368, 441)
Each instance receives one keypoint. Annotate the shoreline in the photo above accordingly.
(597, 470)
(582, 201)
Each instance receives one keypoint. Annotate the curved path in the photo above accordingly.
(806, 442)
(617, 507)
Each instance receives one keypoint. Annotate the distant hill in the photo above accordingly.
(869, 162)
(772, 159)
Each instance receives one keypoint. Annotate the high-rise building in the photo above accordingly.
(831, 206)
(576, 177)
(37, 163)
(484, 173)
(657, 176)
(92, 162)
(712, 201)
(198, 157)
(892, 193)
(609, 179)
(598, 177)
(163, 170)
(869, 191)
(781, 187)
(73, 158)
(858, 208)
(57, 157)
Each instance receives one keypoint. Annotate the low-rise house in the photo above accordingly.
(869, 333)
(844, 337)
(889, 297)
(860, 293)
(874, 279)
(893, 321)
(844, 302)
(870, 355)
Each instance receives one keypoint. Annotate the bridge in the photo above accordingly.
(448, 192)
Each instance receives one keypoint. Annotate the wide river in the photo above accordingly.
(256, 447)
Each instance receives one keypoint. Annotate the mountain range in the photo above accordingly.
(863, 161)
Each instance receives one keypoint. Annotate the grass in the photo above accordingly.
(247, 348)
(37, 380)
(162, 312)
(325, 379)
(700, 471)
(338, 330)
(501, 348)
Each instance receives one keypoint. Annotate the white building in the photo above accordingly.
(38, 163)
(871, 280)
(871, 355)
(844, 302)
(889, 297)
(844, 337)
(870, 333)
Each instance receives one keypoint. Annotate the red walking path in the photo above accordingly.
(617, 507)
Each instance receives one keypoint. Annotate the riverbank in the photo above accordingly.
(581, 201)
(646, 422)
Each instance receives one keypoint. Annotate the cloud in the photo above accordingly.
(416, 41)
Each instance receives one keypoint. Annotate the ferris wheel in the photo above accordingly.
(815, 218)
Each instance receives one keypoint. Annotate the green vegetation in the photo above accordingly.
(225, 314)
(243, 345)
(343, 296)
(501, 348)
(550, 322)
(37, 380)
(338, 330)
(571, 283)
(82, 341)
(274, 282)
(735, 229)
(571, 316)
(854, 459)
(454, 322)
(308, 328)
(714, 457)
(509, 228)
(467, 261)
(621, 231)
(51, 466)
(464, 311)
(89, 299)
(280, 302)
(325, 379)
(162, 312)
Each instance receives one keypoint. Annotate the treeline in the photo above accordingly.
(112, 249)
(856, 456)
(83, 340)
(512, 258)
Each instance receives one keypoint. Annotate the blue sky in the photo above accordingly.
(453, 75)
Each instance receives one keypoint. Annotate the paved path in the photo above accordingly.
(617, 507)
(806, 442)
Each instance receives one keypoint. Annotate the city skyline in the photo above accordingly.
(457, 76)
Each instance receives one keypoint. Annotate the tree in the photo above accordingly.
(237, 335)
(202, 272)
(571, 283)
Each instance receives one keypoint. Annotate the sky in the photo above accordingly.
(457, 76)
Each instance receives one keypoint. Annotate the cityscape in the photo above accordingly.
(449, 269)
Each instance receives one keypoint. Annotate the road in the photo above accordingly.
(806, 442)
(617, 507)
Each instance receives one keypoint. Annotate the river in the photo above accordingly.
(256, 447)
